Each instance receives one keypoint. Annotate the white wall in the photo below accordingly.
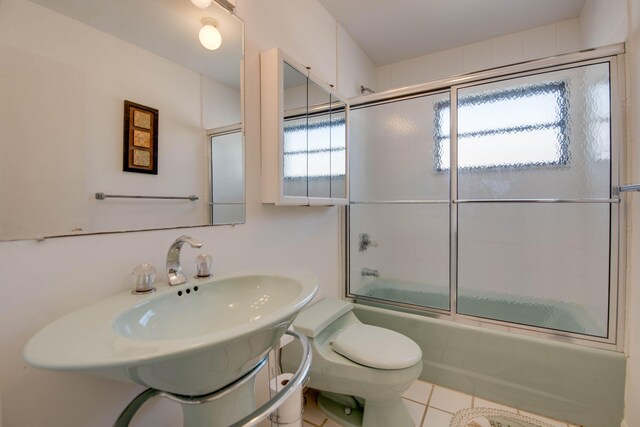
(354, 66)
(220, 104)
(603, 22)
(43, 126)
(42, 281)
(632, 396)
(540, 42)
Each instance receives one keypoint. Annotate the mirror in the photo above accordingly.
(227, 176)
(294, 132)
(314, 138)
(66, 68)
(338, 123)
(318, 141)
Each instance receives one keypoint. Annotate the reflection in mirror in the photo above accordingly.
(319, 142)
(295, 132)
(314, 139)
(227, 176)
(66, 68)
(338, 149)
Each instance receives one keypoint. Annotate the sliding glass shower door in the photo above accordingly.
(534, 184)
(399, 212)
(492, 201)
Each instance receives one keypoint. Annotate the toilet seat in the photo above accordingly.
(377, 347)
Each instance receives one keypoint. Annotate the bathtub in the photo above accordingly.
(578, 384)
(518, 309)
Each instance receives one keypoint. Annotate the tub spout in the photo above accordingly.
(369, 272)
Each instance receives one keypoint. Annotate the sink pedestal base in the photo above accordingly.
(223, 411)
(232, 404)
(218, 409)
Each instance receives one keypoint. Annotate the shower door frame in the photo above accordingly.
(614, 56)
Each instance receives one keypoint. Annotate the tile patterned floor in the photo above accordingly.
(428, 405)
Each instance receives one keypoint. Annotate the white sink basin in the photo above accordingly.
(190, 344)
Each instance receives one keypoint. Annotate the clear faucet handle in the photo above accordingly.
(143, 277)
(203, 265)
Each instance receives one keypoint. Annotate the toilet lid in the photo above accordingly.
(377, 347)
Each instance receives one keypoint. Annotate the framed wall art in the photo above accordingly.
(140, 148)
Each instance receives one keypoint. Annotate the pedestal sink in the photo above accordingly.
(190, 339)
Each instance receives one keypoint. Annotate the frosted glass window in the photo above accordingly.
(541, 136)
(319, 155)
(535, 116)
(295, 136)
(295, 157)
(320, 138)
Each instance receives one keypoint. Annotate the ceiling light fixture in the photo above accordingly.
(202, 4)
(209, 35)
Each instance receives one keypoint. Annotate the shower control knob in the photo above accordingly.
(366, 242)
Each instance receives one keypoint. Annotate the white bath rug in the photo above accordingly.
(489, 417)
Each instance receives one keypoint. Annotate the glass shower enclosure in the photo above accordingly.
(493, 200)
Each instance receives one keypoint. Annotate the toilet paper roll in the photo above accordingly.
(290, 412)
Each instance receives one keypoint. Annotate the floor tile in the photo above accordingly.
(437, 418)
(311, 412)
(416, 410)
(449, 400)
(418, 392)
(481, 403)
(443, 404)
(546, 420)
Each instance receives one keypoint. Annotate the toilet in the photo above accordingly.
(360, 370)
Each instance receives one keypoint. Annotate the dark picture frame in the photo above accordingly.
(140, 147)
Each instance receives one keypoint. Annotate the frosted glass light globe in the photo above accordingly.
(210, 37)
(202, 4)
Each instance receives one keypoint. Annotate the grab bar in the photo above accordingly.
(102, 196)
(628, 188)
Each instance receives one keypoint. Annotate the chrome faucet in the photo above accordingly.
(174, 269)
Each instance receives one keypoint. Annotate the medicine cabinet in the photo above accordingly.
(304, 135)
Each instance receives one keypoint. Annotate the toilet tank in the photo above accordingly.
(313, 320)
